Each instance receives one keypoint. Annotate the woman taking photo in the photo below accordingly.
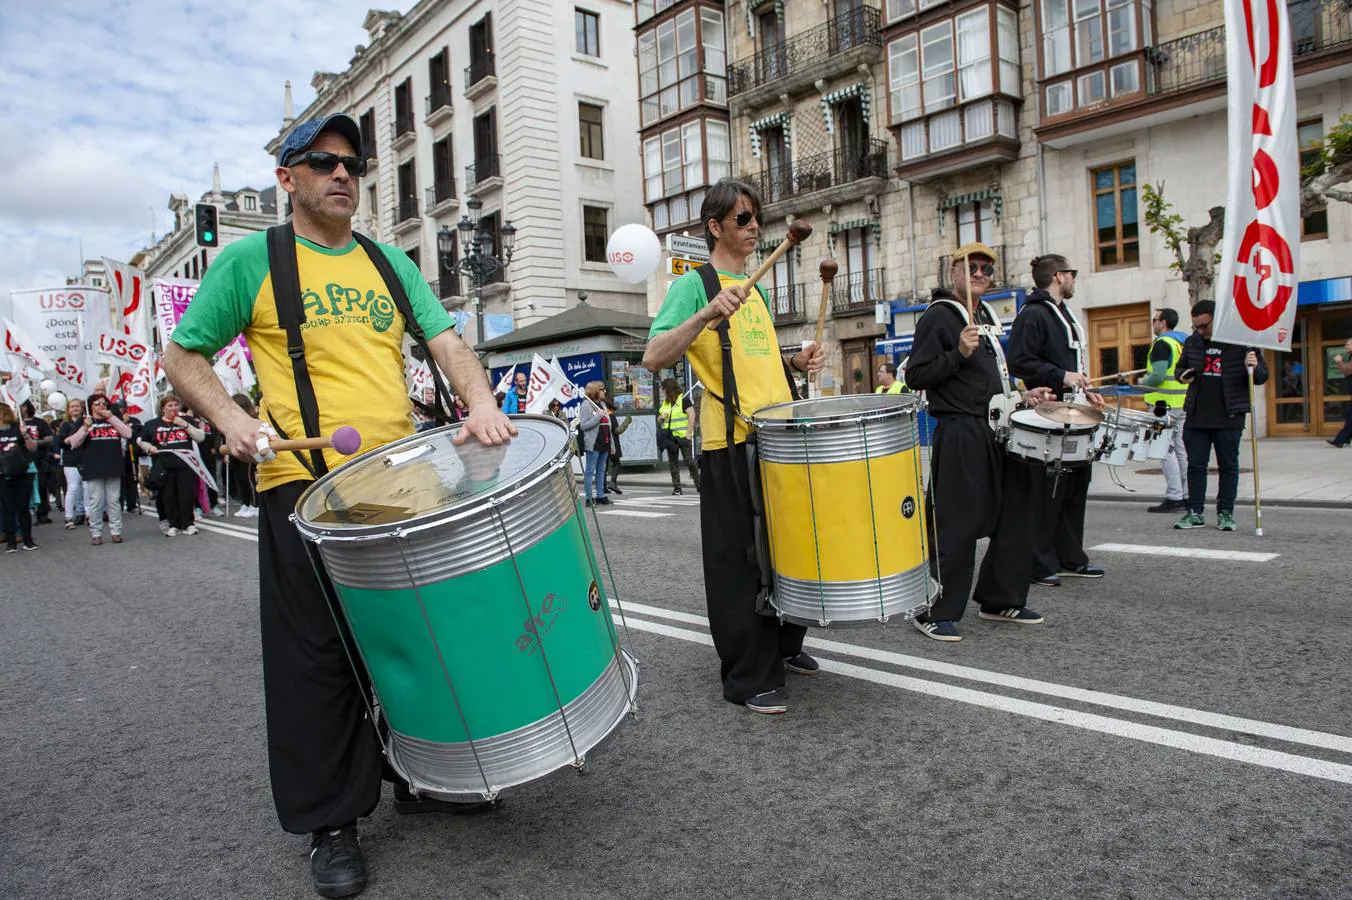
(594, 421)
(99, 439)
(160, 437)
(17, 450)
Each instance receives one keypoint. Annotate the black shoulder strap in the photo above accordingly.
(441, 412)
(290, 316)
(730, 399)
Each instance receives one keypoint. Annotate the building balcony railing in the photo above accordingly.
(1001, 278)
(439, 193)
(823, 171)
(480, 175)
(477, 74)
(401, 131)
(803, 54)
(439, 105)
(787, 303)
(406, 214)
(857, 292)
(445, 287)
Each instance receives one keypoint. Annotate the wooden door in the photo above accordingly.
(1305, 391)
(860, 367)
(1119, 340)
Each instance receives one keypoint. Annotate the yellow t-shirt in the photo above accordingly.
(353, 337)
(755, 355)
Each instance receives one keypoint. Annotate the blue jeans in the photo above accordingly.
(594, 479)
(1200, 442)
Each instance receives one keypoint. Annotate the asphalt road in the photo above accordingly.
(1179, 728)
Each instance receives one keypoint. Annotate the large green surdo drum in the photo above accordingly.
(467, 579)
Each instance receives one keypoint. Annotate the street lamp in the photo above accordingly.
(478, 260)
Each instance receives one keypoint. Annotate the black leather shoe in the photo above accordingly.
(337, 863)
(407, 804)
(1168, 506)
(1084, 571)
(1048, 581)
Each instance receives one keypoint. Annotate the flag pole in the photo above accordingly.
(1253, 443)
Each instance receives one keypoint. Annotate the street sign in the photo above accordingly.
(688, 247)
(680, 265)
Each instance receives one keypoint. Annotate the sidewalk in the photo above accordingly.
(1294, 472)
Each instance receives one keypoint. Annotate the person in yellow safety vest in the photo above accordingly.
(888, 383)
(673, 433)
(1165, 351)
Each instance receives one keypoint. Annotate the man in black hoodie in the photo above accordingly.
(975, 489)
(1047, 348)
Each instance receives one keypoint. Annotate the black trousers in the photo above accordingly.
(1060, 538)
(15, 494)
(682, 446)
(977, 491)
(1200, 442)
(242, 481)
(323, 753)
(751, 647)
(44, 501)
(179, 496)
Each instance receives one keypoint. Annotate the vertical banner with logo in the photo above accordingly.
(131, 299)
(62, 322)
(1256, 294)
(172, 296)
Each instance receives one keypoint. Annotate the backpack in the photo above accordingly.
(14, 460)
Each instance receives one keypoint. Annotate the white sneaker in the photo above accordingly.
(218, 509)
(171, 531)
(164, 527)
(191, 529)
(246, 512)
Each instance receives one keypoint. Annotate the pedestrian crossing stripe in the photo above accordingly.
(1188, 552)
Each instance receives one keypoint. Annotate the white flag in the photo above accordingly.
(1256, 293)
(505, 384)
(140, 391)
(547, 383)
(194, 461)
(21, 345)
(119, 349)
(131, 299)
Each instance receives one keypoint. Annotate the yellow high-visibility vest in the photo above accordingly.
(1171, 400)
(897, 387)
(679, 418)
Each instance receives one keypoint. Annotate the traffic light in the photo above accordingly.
(204, 215)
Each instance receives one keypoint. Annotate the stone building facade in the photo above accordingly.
(239, 213)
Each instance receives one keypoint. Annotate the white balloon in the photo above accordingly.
(634, 252)
(47, 385)
(57, 401)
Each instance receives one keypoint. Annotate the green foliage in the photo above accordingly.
(1335, 149)
(1160, 218)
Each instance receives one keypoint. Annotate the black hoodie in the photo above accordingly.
(1039, 351)
(953, 384)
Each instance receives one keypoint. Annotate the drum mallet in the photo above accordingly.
(799, 231)
(827, 270)
(345, 440)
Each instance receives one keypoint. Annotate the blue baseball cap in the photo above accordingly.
(303, 135)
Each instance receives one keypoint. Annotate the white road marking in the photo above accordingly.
(230, 526)
(1188, 552)
(1271, 759)
(1065, 692)
(244, 534)
(635, 513)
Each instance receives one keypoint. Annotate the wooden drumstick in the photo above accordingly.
(827, 270)
(345, 440)
(799, 231)
(1118, 375)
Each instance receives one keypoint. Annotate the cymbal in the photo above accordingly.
(1070, 413)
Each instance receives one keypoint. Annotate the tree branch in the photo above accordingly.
(1317, 190)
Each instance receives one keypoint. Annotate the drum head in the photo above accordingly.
(1032, 420)
(426, 476)
(835, 409)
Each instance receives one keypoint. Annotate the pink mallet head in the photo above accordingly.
(347, 440)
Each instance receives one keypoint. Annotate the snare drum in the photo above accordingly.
(844, 503)
(1131, 434)
(467, 578)
(1038, 439)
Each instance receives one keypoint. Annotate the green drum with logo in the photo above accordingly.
(467, 579)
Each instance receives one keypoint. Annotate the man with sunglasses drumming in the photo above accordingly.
(324, 754)
(975, 489)
(754, 649)
(1048, 348)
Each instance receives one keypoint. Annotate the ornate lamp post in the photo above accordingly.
(478, 260)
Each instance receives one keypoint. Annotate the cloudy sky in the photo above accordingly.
(107, 108)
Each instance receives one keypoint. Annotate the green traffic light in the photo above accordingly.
(208, 236)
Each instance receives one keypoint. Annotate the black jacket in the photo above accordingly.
(1234, 377)
(1039, 351)
(953, 384)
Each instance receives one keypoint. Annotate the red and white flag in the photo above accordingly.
(140, 391)
(194, 461)
(1256, 293)
(547, 383)
(21, 345)
(131, 303)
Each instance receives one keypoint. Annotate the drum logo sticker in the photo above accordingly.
(908, 507)
(594, 597)
(541, 624)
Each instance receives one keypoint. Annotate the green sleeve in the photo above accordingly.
(223, 305)
(426, 308)
(684, 298)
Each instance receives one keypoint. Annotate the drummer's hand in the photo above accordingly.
(968, 340)
(487, 423)
(1095, 399)
(811, 358)
(243, 436)
(1038, 396)
(1075, 379)
(1250, 360)
(724, 305)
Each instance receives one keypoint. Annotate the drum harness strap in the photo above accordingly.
(285, 275)
(758, 551)
(1005, 402)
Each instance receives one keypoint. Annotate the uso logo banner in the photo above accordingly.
(1256, 295)
(61, 323)
(120, 349)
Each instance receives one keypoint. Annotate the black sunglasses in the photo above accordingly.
(744, 218)
(1074, 273)
(981, 269)
(321, 161)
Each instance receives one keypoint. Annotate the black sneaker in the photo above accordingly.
(1332, 443)
(802, 664)
(1084, 571)
(770, 703)
(613, 490)
(337, 863)
(407, 804)
(604, 501)
(1168, 506)
(29, 545)
(13, 548)
(676, 491)
(938, 629)
(1048, 581)
(1015, 614)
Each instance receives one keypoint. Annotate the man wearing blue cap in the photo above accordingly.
(325, 312)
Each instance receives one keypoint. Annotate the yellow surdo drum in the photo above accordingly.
(844, 506)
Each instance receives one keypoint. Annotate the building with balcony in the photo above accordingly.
(528, 107)
(240, 213)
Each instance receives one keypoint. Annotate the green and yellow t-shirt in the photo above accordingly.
(755, 355)
(353, 339)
